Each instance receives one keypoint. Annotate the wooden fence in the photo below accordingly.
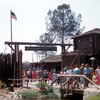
(5, 67)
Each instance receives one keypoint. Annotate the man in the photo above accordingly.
(65, 69)
(87, 72)
(81, 72)
(76, 70)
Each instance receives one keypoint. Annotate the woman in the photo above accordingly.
(49, 76)
(54, 76)
(34, 75)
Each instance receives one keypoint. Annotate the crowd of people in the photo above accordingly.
(84, 69)
(50, 76)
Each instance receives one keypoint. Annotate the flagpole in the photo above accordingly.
(11, 44)
(11, 33)
(11, 25)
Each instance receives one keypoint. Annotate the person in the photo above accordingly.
(54, 76)
(76, 70)
(95, 78)
(62, 71)
(28, 73)
(71, 70)
(65, 69)
(87, 72)
(58, 80)
(98, 75)
(82, 72)
(45, 75)
(34, 75)
(98, 70)
(49, 76)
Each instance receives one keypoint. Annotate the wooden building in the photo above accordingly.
(53, 62)
(89, 42)
(50, 63)
(86, 45)
(89, 45)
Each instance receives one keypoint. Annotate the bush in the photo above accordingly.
(45, 93)
(42, 85)
(51, 96)
(29, 95)
(93, 97)
(50, 88)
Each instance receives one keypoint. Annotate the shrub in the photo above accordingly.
(42, 85)
(29, 95)
(51, 96)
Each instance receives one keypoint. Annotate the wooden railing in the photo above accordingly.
(72, 78)
(16, 82)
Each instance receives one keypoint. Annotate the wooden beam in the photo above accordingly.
(11, 47)
(66, 82)
(54, 81)
(78, 84)
(75, 59)
(33, 43)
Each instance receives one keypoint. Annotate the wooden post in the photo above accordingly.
(83, 82)
(27, 83)
(60, 80)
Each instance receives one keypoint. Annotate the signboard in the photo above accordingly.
(27, 48)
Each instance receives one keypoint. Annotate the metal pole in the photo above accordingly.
(11, 34)
(11, 25)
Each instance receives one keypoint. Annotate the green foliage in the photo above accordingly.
(46, 38)
(93, 98)
(45, 93)
(50, 88)
(63, 23)
(29, 95)
(42, 85)
(50, 95)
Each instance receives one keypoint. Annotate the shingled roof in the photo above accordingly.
(93, 31)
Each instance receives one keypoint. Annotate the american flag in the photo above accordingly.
(13, 15)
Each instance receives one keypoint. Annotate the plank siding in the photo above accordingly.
(89, 44)
(84, 44)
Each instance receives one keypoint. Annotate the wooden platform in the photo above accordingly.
(78, 91)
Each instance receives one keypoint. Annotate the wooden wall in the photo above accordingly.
(88, 44)
(96, 43)
(7, 67)
(84, 44)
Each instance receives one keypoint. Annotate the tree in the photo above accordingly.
(46, 38)
(62, 23)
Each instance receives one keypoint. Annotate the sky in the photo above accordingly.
(31, 15)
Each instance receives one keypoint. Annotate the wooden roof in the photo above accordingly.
(54, 58)
(93, 31)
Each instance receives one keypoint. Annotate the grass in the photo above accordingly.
(93, 98)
